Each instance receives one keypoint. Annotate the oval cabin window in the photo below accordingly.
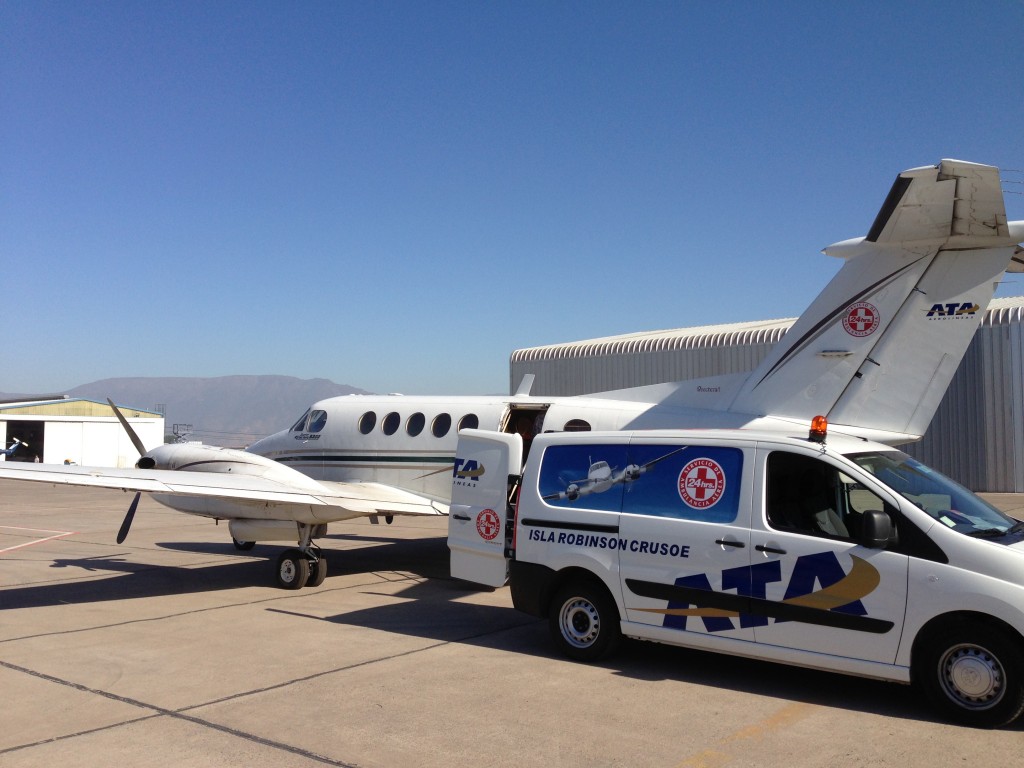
(441, 424)
(576, 425)
(367, 422)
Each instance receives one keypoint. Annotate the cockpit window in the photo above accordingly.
(367, 422)
(317, 419)
(441, 424)
(301, 423)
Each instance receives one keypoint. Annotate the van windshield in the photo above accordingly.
(945, 500)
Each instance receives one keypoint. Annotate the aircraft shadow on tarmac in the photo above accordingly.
(127, 575)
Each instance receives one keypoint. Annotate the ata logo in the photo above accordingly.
(701, 483)
(819, 592)
(861, 319)
(488, 524)
(957, 310)
(468, 469)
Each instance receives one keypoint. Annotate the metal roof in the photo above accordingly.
(70, 406)
(1000, 311)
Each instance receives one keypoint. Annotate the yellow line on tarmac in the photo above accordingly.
(715, 757)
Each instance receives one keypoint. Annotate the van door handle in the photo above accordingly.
(770, 550)
(465, 518)
(726, 543)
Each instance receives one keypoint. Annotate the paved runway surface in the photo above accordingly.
(173, 649)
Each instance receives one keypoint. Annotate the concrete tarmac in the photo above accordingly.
(174, 649)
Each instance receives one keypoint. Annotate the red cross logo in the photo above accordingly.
(701, 483)
(861, 319)
(488, 524)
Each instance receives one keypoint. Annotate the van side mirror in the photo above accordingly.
(876, 529)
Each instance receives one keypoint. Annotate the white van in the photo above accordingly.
(832, 553)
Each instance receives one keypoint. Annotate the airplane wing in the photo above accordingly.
(314, 503)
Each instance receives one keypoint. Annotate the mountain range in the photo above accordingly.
(226, 410)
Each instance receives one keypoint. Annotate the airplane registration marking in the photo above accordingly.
(56, 535)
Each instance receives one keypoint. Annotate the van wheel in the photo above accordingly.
(584, 622)
(973, 674)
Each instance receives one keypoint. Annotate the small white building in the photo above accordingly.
(76, 431)
(976, 436)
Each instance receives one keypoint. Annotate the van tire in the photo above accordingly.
(584, 621)
(973, 673)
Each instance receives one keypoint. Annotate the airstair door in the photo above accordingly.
(480, 515)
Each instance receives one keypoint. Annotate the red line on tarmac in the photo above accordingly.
(57, 535)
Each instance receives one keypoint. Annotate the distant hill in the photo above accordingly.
(227, 410)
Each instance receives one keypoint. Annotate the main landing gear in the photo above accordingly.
(297, 567)
(302, 567)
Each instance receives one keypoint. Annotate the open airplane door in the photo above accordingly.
(484, 486)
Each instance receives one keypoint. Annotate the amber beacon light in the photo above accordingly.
(819, 429)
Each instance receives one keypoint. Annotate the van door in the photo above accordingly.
(820, 589)
(484, 482)
(685, 533)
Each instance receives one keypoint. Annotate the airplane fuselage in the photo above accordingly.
(409, 442)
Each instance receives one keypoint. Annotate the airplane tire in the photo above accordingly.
(292, 569)
(317, 572)
(584, 622)
(972, 673)
(243, 546)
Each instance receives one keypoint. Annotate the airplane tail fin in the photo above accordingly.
(878, 347)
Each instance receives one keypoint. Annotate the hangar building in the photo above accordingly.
(77, 431)
(976, 436)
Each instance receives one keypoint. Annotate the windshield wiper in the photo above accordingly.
(989, 533)
(1017, 527)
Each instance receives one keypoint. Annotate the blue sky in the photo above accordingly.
(396, 195)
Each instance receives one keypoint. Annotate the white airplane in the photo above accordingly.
(874, 353)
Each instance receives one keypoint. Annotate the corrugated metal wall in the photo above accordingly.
(639, 359)
(976, 436)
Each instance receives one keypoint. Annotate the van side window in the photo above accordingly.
(807, 495)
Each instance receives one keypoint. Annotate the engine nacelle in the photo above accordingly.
(211, 458)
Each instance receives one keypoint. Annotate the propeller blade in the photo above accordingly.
(123, 533)
(131, 432)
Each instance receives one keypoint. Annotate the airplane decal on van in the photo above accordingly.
(837, 604)
(689, 482)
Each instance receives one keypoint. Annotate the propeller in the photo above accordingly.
(128, 428)
(122, 534)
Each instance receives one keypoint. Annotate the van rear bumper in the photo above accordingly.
(531, 585)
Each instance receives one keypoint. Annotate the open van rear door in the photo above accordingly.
(484, 486)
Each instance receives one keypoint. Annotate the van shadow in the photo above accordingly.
(439, 610)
